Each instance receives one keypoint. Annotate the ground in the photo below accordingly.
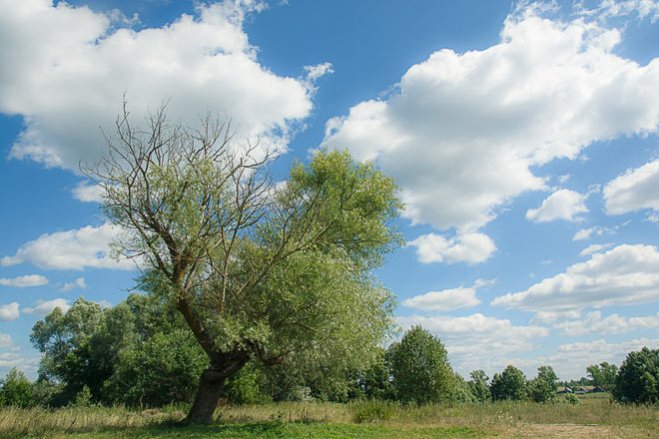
(594, 417)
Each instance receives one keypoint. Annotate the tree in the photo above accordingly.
(69, 356)
(16, 390)
(509, 384)
(603, 375)
(638, 378)
(543, 387)
(478, 386)
(257, 271)
(420, 368)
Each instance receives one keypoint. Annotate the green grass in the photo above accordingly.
(355, 420)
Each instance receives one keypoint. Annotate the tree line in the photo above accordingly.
(134, 355)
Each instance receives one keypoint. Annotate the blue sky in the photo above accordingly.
(523, 137)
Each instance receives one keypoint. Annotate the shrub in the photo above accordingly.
(638, 378)
(372, 410)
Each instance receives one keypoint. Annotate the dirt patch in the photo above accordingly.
(572, 431)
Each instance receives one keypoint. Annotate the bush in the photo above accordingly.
(571, 399)
(372, 410)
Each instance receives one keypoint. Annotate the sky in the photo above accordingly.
(523, 136)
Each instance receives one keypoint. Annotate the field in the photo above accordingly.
(595, 417)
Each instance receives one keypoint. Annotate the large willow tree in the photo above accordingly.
(258, 270)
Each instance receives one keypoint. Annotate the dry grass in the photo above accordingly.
(594, 417)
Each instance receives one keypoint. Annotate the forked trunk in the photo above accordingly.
(207, 398)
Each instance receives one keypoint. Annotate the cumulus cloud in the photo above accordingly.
(593, 323)
(626, 274)
(585, 234)
(65, 69)
(9, 312)
(32, 280)
(544, 317)
(634, 190)
(462, 132)
(467, 338)
(44, 307)
(471, 248)
(78, 283)
(563, 204)
(449, 299)
(72, 250)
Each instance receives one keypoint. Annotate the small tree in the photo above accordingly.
(478, 386)
(257, 271)
(16, 390)
(603, 375)
(509, 384)
(543, 388)
(420, 368)
(638, 378)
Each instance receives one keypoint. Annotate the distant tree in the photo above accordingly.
(420, 368)
(377, 381)
(638, 378)
(479, 387)
(258, 271)
(69, 356)
(543, 387)
(16, 390)
(509, 384)
(603, 375)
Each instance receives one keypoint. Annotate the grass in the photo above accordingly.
(594, 417)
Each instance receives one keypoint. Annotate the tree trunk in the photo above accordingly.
(207, 398)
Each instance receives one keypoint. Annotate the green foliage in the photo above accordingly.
(376, 382)
(509, 384)
(16, 390)
(83, 398)
(638, 378)
(479, 387)
(420, 368)
(372, 410)
(245, 387)
(571, 399)
(603, 375)
(543, 388)
(162, 370)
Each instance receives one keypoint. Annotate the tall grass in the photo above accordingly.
(503, 416)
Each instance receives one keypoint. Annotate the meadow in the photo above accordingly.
(596, 416)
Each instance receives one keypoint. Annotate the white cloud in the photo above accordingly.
(544, 317)
(44, 307)
(5, 340)
(585, 234)
(594, 248)
(9, 312)
(66, 68)
(563, 204)
(88, 193)
(462, 132)
(626, 274)
(593, 323)
(71, 250)
(471, 248)
(623, 8)
(78, 283)
(635, 190)
(468, 338)
(319, 70)
(32, 280)
(446, 300)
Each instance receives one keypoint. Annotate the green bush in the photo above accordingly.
(372, 410)
(638, 378)
(16, 390)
